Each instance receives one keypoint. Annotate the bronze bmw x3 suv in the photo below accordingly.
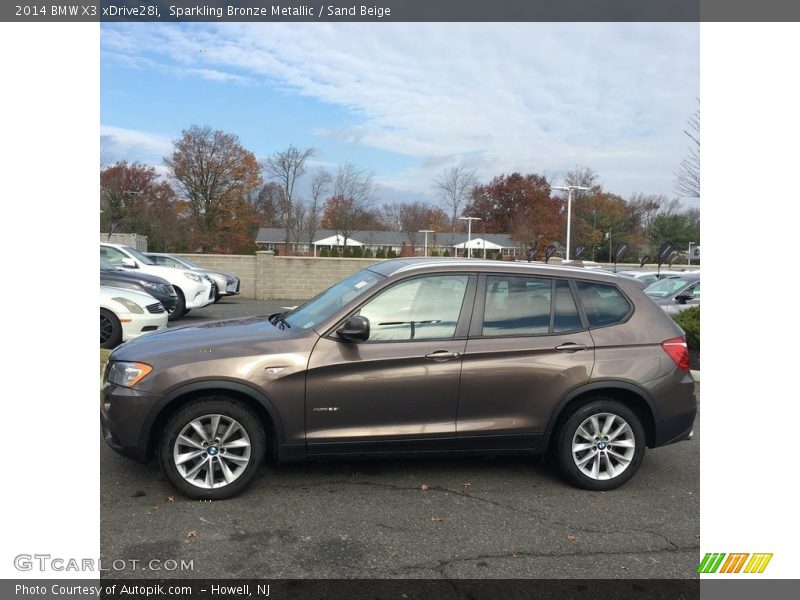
(411, 356)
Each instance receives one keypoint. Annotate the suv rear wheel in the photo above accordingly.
(601, 445)
(211, 448)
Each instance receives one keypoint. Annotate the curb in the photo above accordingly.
(695, 375)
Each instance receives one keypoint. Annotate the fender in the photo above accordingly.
(602, 385)
(212, 384)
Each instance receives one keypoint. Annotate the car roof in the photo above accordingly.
(398, 266)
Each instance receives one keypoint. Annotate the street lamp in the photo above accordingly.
(469, 220)
(689, 258)
(426, 232)
(568, 189)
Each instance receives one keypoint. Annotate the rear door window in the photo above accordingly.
(603, 304)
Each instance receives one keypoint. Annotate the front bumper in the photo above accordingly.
(200, 295)
(139, 325)
(124, 420)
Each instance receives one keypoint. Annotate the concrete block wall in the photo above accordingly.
(301, 277)
(269, 277)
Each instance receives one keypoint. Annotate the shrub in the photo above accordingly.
(689, 321)
(357, 252)
(446, 253)
(391, 253)
(380, 253)
(368, 253)
(324, 252)
(434, 253)
(335, 253)
(499, 256)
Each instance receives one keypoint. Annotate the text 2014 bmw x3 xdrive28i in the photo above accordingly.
(411, 356)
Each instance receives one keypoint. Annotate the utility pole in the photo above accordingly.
(426, 232)
(469, 221)
(568, 189)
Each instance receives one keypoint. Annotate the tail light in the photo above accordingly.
(678, 351)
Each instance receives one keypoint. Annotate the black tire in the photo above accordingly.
(562, 451)
(180, 306)
(216, 405)
(217, 298)
(110, 329)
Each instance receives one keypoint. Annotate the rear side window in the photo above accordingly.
(603, 304)
(528, 306)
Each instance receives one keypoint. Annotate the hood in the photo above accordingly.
(232, 336)
(131, 275)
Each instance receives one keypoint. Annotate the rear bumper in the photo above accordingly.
(677, 428)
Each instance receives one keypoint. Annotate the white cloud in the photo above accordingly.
(118, 143)
(498, 97)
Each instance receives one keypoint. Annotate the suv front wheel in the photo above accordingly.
(601, 445)
(211, 448)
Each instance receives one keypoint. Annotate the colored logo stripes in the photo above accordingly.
(716, 562)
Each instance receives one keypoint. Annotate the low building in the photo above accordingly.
(401, 244)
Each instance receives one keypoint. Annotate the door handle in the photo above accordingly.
(570, 347)
(442, 355)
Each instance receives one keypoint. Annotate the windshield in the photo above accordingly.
(138, 256)
(666, 287)
(324, 306)
(187, 262)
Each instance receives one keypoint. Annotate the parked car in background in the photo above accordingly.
(411, 356)
(126, 314)
(676, 293)
(194, 290)
(647, 278)
(158, 287)
(227, 283)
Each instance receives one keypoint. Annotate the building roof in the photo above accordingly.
(274, 235)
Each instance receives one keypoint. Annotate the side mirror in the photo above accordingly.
(683, 298)
(129, 263)
(355, 329)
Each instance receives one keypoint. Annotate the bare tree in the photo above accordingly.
(267, 203)
(347, 210)
(285, 168)
(454, 187)
(320, 185)
(299, 221)
(687, 179)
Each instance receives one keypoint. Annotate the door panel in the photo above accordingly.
(528, 348)
(401, 385)
(381, 391)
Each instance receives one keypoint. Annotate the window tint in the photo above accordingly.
(516, 306)
(603, 304)
(565, 316)
(422, 308)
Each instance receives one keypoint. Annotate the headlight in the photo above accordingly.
(127, 374)
(130, 305)
(193, 277)
(149, 284)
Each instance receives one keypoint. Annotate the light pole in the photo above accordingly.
(689, 257)
(568, 189)
(469, 220)
(426, 232)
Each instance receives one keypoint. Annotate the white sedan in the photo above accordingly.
(126, 314)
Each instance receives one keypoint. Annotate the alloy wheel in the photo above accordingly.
(603, 446)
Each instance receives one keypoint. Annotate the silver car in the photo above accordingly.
(676, 292)
(227, 284)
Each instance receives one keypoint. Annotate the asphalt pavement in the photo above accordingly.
(501, 517)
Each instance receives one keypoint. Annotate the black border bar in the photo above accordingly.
(399, 10)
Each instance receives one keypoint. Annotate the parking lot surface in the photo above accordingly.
(501, 517)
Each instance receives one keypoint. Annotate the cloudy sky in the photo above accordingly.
(407, 101)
